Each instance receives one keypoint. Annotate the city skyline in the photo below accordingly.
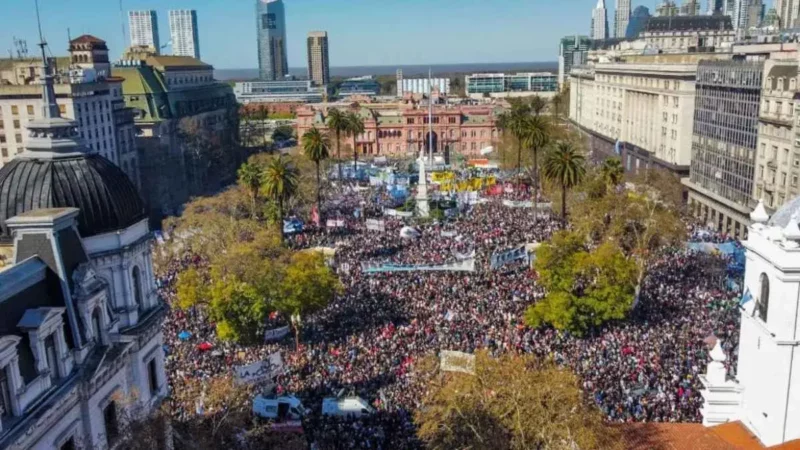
(229, 38)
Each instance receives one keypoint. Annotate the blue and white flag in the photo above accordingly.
(747, 303)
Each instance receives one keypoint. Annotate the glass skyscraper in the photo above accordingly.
(271, 25)
(637, 23)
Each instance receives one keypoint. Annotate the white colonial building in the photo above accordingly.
(80, 319)
(765, 394)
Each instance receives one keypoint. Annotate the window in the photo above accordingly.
(762, 306)
(111, 423)
(18, 138)
(794, 180)
(16, 123)
(5, 394)
(29, 109)
(2, 139)
(410, 121)
(96, 327)
(152, 376)
(136, 278)
(62, 109)
(68, 445)
(50, 354)
(14, 109)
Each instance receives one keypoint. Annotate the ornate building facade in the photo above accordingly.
(404, 131)
(81, 349)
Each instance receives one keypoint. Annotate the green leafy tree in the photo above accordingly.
(315, 147)
(337, 122)
(239, 310)
(565, 166)
(308, 285)
(283, 133)
(516, 121)
(355, 127)
(585, 288)
(613, 172)
(509, 403)
(250, 176)
(280, 184)
(191, 288)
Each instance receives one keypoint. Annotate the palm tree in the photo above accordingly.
(250, 175)
(537, 105)
(337, 123)
(612, 171)
(315, 147)
(565, 166)
(515, 121)
(280, 184)
(556, 101)
(535, 136)
(355, 127)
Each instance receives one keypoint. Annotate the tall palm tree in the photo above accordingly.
(535, 136)
(337, 122)
(537, 105)
(355, 127)
(315, 147)
(250, 175)
(280, 184)
(612, 171)
(556, 101)
(565, 166)
(515, 121)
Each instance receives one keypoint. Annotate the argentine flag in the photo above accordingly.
(747, 303)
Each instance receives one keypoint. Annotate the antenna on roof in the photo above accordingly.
(22, 48)
(122, 21)
(49, 108)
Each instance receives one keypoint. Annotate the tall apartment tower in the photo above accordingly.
(622, 17)
(183, 31)
(715, 7)
(318, 63)
(271, 24)
(143, 26)
(600, 21)
(788, 12)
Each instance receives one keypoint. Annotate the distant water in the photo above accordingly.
(408, 71)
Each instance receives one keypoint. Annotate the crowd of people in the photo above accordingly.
(367, 341)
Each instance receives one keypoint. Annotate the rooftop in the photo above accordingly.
(695, 436)
(688, 23)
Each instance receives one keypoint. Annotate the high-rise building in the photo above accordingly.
(318, 63)
(690, 8)
(271, 25)
(724, 143)
(572, 51)
(143, 27)
(638, 22)
(622, 17)
(715, 7)
(183, 31)
(599, 21)
(741, 14)
(667, 9)
(788, 13)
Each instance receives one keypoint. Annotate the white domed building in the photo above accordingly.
(80, 318)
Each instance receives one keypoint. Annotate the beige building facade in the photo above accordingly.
(777, 166)
(319, 69)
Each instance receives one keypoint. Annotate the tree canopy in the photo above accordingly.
(585, 287)
(511, 402)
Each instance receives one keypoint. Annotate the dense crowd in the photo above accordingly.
(368, 340)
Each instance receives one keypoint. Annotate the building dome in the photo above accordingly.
(58, 171)
(783, 215)
(106, 198)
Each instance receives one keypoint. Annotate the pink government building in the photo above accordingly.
(402, 129)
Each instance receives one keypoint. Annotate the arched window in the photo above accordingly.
(136, 277)
(762, 306)
(96, 327)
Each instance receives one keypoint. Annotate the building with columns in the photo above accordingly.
(403, 131)
(81, 347)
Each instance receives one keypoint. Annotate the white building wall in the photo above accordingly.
(182, 30)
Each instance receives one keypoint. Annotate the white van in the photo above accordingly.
(346, 406)
(278, 408)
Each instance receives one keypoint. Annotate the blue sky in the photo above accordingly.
(361, 32)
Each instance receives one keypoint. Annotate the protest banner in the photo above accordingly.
(260, 371)
(396, 213)
(376, 225)
(500, 259)
(335, 223)
(466, 265)
(451, 361)
(276, 334)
